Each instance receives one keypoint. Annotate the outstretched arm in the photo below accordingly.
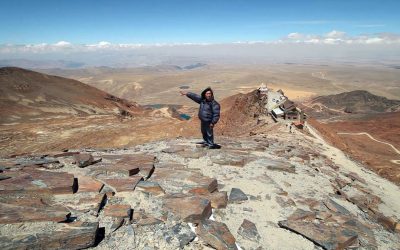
(192, 96)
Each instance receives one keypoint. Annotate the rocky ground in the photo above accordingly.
(275, 190)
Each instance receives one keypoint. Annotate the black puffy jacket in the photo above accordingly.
(209, 111)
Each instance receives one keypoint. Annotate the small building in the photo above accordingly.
(263, 90)
(298, 125)
(277, 112)
(289, 110)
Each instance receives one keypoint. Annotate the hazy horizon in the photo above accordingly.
(73, 34)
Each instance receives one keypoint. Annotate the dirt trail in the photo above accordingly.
(395, 161)
(372, 138)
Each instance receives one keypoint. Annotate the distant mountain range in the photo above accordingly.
(40, 64)
(66, 64)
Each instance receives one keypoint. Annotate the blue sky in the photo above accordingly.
(217, 21)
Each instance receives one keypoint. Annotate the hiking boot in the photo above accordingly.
(215, 146)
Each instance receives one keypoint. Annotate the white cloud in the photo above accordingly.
(340, 37)
(335, 34)
(332, 38)
(102, 44)
(62, 44)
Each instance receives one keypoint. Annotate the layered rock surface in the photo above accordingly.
(286, 191)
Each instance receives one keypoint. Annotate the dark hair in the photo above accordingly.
(203, 94)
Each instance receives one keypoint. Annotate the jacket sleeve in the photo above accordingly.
(194, 97)
(216, 108)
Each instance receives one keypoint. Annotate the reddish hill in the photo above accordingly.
(354, 137)
(26, 94)
(239, 114)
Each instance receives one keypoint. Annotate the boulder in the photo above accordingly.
(83, 160)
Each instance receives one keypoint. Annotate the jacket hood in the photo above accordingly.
(203, 94)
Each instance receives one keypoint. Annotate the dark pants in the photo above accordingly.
(208, 133)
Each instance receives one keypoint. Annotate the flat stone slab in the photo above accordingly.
(142, 219)
(216, 234)
(126, 169)
(192, 154)
(32, 180)
(183, 180)
(333, 206)
(170, 165)
(188, 208)
(337, 231)
(237, 159)
(249, 230)
(133, 164)
(22, 162)
(118, 210)
(150, 187)
(285, 201)
(76, 235)
(62, 154)
(174, 149)
(137, 158)
(123, 184)
(91, 202)
(237, 196)
(322, 235)
(217, 199)
(282, 167)
(182, 233)
(88, 184)
(28, 210)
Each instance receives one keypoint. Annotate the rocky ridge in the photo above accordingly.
(276, 190)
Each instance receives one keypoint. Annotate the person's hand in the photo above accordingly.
(211, 125)
(183, 92)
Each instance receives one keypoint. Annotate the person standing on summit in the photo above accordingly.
(209, 113)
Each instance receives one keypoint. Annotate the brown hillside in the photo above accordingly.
(26, 94)
(350, 137)
(358, 101)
